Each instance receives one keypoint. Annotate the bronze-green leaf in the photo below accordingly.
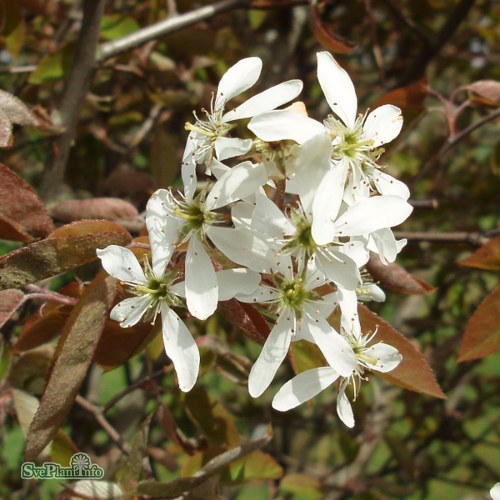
(414, 372)
(482, 332)
(66, 248)
(71, 361)
(24, 216)
(486, 257)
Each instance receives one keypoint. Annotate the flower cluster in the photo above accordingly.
(295, 208)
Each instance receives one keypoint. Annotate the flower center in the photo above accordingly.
(302, 239)
(277, 156)
(293, 295)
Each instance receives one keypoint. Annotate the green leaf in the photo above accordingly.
(486, 257)
(14, 27)
(70, 362)
(482, 332)
(115, 26)
(414, 372)
(130, 472)
(256, 465)
(66, 248)
(306, 356)
(211, 418)
(54, 66)
(305, 487)
(214, 466)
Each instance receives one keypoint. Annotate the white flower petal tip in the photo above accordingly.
(238, 78)
(383, 124)
(122, 264)
(303, 387)
(337, 87)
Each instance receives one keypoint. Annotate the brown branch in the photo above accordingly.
(96, 412)
(455, 237)
(166, 26)
(429, 52)
(74, 94)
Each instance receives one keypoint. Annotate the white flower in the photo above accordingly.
(189, 219)
(208, 135)
(355, 139)
(304, 386)
(495, 492)
(301, 315)
(155, 291)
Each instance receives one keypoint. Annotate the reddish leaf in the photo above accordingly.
(396, 278)
(485, 257)
(487, 90)
(247, 319)
(409, 97)
(43, 326)
(414, 372)
(94, 208)
(482, 332)
(117, 345)
(66, 248)
(21, 210)
(326, 37)
(10, 300)
(71, 361)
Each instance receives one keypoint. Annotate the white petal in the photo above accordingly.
(339, 268)
(356, 250)
(285, 124)
(387, 356)
(388, 185)
(188, 169)
(237, 79)
(384, 244)
(338, 88)
(229, 147)
(383, 124)
(348, 301)
(236, 281)
(372, 214)
(344, 409)
(163, 231)
(495, 492)
(261, 294)
(180, 348)
(274, 351)
(327, 203)
(129, 311)
(237, 183)
(269, 220)
(122, 264)
(335, 348)
(371, 291)
(311, 166)
(266, 101)
(218, 168)
(303, 387)
(201, 282)
(243, 247)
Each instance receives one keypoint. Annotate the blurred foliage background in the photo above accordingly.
(128, 141)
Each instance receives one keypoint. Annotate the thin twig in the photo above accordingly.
(74, 94)
(456, 237)
(166, 26)
(44, 294)
(97, 413)
(452, 141)
(136, 385)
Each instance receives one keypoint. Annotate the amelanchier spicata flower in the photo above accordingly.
(155, 291)
(188, 219)
(209, 134)
(357, 140)
(301, 314)
(304, 386)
